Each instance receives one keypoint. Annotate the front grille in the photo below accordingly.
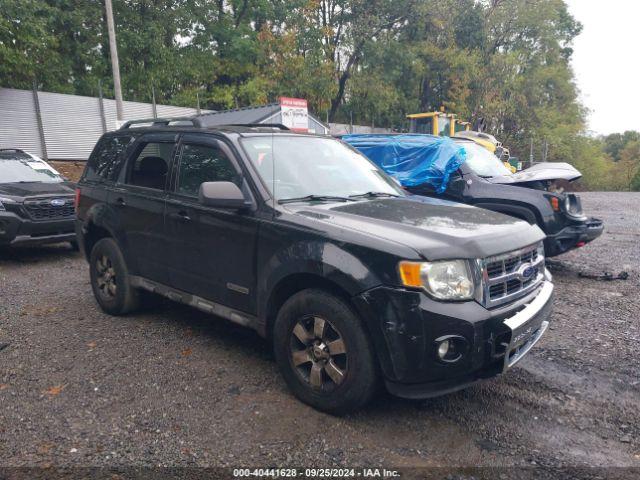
(512, 275)
(44, 209)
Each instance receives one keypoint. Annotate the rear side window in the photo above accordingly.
(151, 165)
(107, 158)
(200, 164)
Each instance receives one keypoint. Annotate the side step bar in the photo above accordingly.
(235, 316)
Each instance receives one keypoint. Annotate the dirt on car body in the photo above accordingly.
(176, 387)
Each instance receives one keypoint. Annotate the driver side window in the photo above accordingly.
(199, 164)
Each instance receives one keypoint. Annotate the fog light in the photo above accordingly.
(443, 349)
(450, 348)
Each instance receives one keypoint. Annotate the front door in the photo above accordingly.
(139, 200)
(213, 249)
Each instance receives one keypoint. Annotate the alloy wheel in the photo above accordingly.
(318, 353)
(106, 277)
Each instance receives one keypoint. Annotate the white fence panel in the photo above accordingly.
(72, 124)
(18, 122)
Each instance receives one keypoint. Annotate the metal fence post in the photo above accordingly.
(154, 109)
(36, 104)
(103, 117)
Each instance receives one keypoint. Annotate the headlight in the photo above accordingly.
(540, 249)
(5, 200)
(573, 206)
(444, 280)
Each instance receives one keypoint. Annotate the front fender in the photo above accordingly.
(319, 258)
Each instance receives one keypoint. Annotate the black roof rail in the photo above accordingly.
(17, 150)
(196, 122)
(156, 122)
(278, 126)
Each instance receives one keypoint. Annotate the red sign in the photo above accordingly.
(293, 102)
(294, 113)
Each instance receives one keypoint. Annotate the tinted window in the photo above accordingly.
(200, 164)
(106, 159)
(150, 165)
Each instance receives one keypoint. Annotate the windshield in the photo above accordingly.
(315, 166)
(15, 168)
(482, 162)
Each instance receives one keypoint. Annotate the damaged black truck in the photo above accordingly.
(355, 282)
(535, 195)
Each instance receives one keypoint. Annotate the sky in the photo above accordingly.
(606, 63)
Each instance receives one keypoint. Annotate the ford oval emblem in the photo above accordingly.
(58, 202)
(527, 272)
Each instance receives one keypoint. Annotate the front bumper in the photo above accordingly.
(573, 236)
(15, 230)
(405, 325)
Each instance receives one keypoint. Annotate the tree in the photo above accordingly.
(27, 46)
(615, 143)
(629, 165)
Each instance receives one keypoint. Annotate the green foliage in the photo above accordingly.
(628, 166)
(505, 62)
(616, 142)
(26, 44)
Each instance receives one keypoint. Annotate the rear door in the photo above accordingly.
(139, 200)
(212, 253)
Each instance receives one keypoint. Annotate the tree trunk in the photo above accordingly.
(342, 83)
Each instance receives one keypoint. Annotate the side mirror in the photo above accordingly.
(221, 195)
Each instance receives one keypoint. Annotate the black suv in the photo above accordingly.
(36, 202)
(354, 281)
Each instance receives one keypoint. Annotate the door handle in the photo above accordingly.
(181, 216)
(120, 202)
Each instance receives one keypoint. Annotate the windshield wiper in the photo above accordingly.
(318, 198)
(373, 195)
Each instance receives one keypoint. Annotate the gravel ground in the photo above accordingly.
(175, 387)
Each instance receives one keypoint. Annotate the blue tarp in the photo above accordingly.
(413, 159)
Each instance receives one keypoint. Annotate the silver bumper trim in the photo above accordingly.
(524, 337)
(511, 359)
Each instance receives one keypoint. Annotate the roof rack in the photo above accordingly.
(278, 126)
(17, 150)
(196, 122)
(156, 122)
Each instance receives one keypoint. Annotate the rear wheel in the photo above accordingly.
(110, 279)
(324, 353)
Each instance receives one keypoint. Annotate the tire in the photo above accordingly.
(110, 279)
(312, 367)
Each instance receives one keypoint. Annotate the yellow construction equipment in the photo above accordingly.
(437, 123)
(447, 125)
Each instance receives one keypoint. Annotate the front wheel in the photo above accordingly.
(324, 352)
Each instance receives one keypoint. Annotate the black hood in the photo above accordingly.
(437, 229)
(35, 189)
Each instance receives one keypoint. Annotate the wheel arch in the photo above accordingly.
(93, 233)
(292, 284)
